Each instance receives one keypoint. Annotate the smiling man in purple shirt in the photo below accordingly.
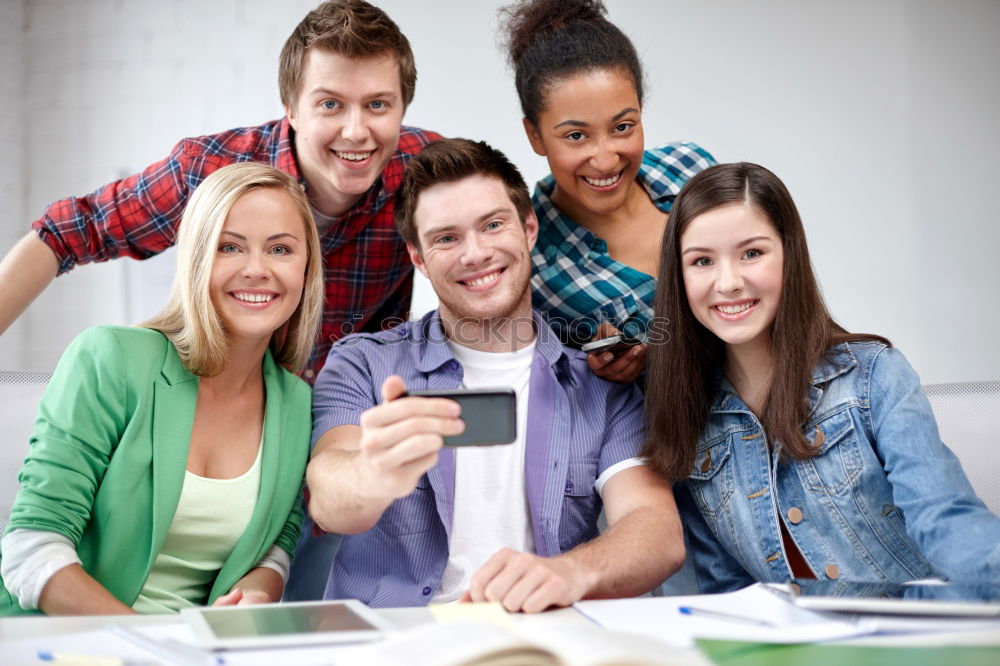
(514, 523)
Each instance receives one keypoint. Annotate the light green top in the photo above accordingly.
(211, 516)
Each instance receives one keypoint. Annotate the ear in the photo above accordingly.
(531, 229)
(534, 137)
(417, 258)
(293, 120)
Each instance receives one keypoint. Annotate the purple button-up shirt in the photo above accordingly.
(578, 426)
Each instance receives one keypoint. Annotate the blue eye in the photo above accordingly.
(280, 250)
(494, 225)
(229, 248)
(378, 104)
(443, 240)
(329, 104)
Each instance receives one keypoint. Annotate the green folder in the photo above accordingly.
(739, 653)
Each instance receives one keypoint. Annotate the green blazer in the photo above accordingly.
(110, 448)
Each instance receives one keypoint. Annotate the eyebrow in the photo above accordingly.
(269, 238)
(579, 123)
(320, 90)
(748, 241)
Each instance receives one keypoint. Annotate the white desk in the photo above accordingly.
(20, 630)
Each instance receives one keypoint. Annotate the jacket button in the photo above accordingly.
(795, 515)
(832, 571)
(426, 590)
(569, 486)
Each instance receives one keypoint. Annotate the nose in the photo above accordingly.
(605, 157)
(356, 126)
(255, 267)
(729, 279)
(475, 250)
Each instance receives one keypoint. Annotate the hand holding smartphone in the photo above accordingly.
(490, 415)
(616, 344)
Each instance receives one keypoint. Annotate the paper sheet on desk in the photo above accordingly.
(660, 617)
(105, 643)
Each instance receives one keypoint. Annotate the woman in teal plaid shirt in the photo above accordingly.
(603, 209)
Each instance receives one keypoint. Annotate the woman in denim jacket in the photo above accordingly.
(805, 451)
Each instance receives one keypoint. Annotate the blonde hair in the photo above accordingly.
(189, 319)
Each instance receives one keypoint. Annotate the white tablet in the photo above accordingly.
(299, 623)
(942, 600)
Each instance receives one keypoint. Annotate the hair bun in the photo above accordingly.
(525, 21)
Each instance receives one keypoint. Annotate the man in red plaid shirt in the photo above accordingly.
(346, 76)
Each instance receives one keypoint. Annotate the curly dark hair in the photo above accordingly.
(547, 40)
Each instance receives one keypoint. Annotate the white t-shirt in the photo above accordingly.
(491, 501)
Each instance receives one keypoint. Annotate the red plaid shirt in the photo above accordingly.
(368, 273)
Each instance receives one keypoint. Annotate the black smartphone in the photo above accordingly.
(490, 415)
(615, 344)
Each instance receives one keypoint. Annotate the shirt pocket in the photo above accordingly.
(838, 463)
(712, 481)
(581, 504)
(415, 513)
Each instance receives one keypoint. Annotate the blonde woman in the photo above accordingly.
(167, 460)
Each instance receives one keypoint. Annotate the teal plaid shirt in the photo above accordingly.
(575, 282)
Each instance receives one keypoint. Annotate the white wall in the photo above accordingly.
(12, 181)
(880, 117)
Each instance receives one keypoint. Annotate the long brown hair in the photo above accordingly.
(681, 377)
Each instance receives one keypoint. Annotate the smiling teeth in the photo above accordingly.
(354, 157)
(255, 298)
(733, 309)
(486, 279)
(603, 182)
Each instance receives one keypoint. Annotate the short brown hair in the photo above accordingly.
(449, 160)
(352, 28)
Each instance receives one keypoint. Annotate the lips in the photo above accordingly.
(254, 298)
(736, 309)
(610, 181)
(354, 156)
(483, 280)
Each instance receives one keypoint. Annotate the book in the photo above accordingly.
(480, 644)
(741, 653)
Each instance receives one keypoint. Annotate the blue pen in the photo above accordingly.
(719, 615)
(75, 659)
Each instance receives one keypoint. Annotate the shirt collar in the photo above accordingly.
(569, 236)
(284, 160)
(432, 352)
(838, 361)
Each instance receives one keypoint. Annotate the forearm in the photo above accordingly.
(338, 499)
(71, 591)
(634, 555)
(26, 270)
(262, 583)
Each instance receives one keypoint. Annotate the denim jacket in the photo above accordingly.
(884, 500)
